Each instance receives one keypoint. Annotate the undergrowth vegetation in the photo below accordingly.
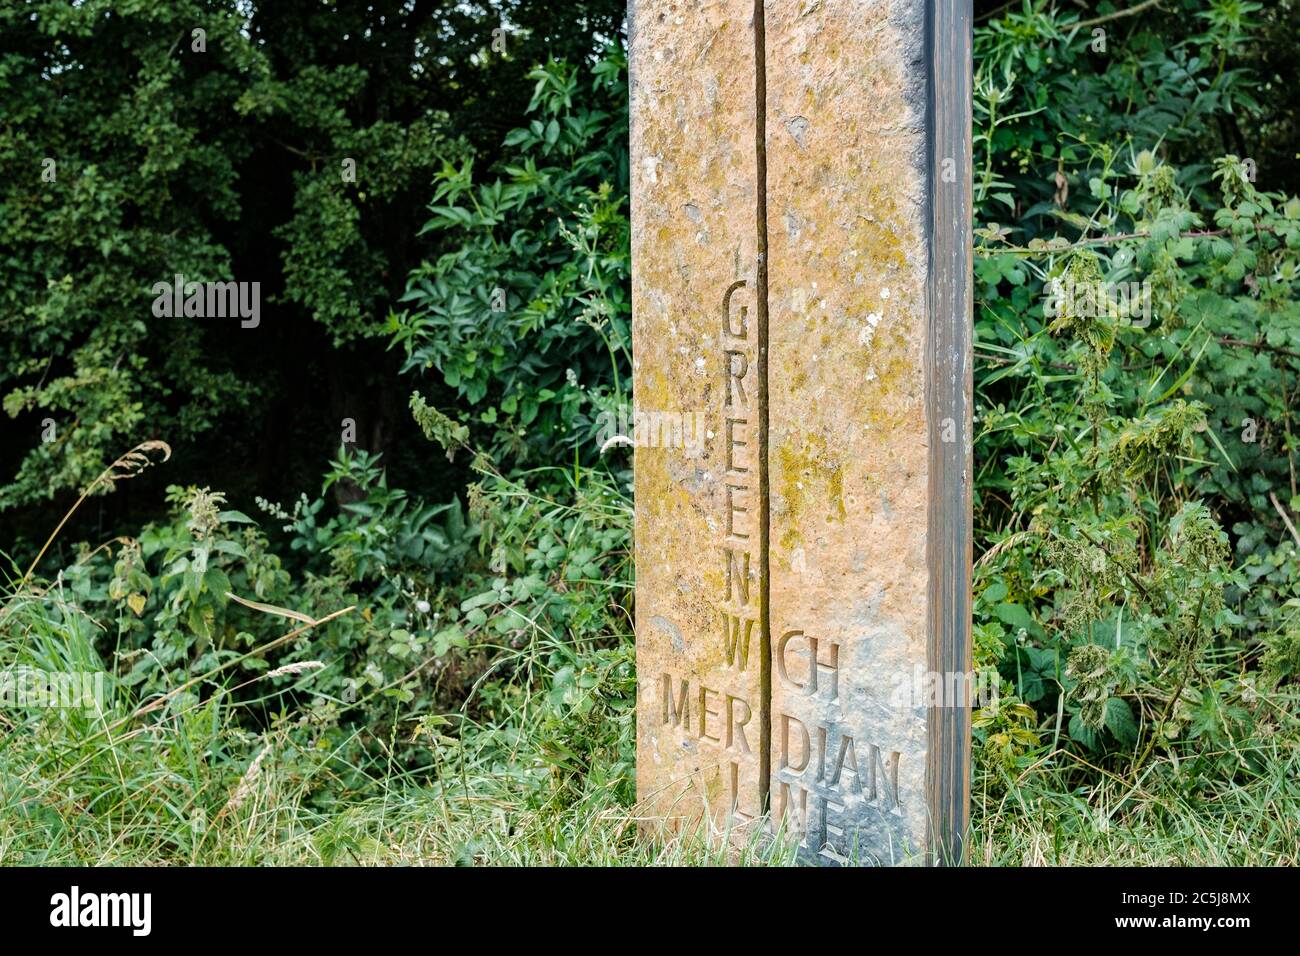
(368, 674)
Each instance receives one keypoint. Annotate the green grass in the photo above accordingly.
(181, 783)
(1163, 819)
(76, 793)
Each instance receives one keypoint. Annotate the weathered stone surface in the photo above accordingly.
(694, 243)
(846, 192)
(804, 572)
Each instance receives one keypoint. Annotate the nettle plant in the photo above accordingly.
(169, 591)
(1142, 451)
(198, 608)
(1135, 450)
(381, 535)
(1117, 498)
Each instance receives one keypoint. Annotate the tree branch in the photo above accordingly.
(1117, 14)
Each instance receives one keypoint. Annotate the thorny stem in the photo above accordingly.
(1178, 692)
(986, 251)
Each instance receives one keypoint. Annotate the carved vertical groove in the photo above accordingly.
(764, 496)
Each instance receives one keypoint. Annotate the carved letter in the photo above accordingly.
(786, 721)
(735, 376)
(732, 444)
(780, 658)
(846, 751)
(736, 728)
(678, 714)
(706, 713)
(737, 644)
(738, 572)
(743, 332)
(873, 755)
(798, 820)
(732, 510)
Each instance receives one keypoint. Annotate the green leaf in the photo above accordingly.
(995, 592)
(1015, 615)
(1120, 722)
(1082, 732)
(217, 583)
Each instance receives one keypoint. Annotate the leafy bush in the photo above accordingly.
(1133, 460)
(528, 317)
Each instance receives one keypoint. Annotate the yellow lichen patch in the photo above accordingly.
(790, 539)
(810, 477)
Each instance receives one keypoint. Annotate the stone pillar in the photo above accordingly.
(801, 283)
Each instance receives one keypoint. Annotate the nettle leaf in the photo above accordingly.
(1084, 734)
(448, 638)
(1120, 722)
(1031, 687)
(1015, 615)
(1206, 714)
(217, 583)
(995, 592)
